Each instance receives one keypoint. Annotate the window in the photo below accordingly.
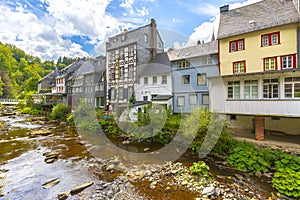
(121, 72)
(292, 87)
(121, 53)
(201, 79)
(121, 93)
(185, 80)
(113, 94)
(164, 79)
(251, 89)
(270, 63)
(183, 64)
(239, 67)
(270, 39)
(236, 45)
(205, 99)
(193, 99)
(180, 101)
(130, 71)
(145, 98)
(207, 60)
(131, 51)
(145, 80)
(123, 38)
(146, 38)
(288, 62)
(154, 79)
(233, 89)
(270, 88)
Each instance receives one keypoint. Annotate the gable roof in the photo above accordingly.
(261, 15)
(159, 65)
(194, 51)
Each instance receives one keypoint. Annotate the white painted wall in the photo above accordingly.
(149, 89)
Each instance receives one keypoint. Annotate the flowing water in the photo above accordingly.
(23, 169)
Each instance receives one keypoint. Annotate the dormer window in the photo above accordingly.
(183, 64)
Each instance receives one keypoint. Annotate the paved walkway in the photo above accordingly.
(288, 143)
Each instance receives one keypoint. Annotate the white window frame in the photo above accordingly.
(294, 83)
(180, 101)
(270, 85)
(235, 86)
(252, 87)
(193, 99)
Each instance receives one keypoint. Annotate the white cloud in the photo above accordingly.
(143, 12)
(43, 34)
(205, 9)
(205, 30)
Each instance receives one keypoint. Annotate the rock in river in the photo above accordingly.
(40, 133)
(81, 187)
(50, 183)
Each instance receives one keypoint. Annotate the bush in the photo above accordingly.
(286, 179)
(31, 111)
(70, 119)
(246, 157)
(60, 111)
(200, 168)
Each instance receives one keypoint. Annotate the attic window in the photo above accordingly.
(183, 64)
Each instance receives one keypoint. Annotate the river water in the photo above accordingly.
(23, 169)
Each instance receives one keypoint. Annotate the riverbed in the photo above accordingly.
(24, 169)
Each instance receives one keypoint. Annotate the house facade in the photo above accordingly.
(154, 82)
(191, 68)
(125, 53)
(258, 62)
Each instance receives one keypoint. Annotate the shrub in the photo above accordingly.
(200, 168)
(70, 119)
(246, 157)
(286, 179)
(60, 111)
(30, 111)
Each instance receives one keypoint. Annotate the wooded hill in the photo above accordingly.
(20, 72)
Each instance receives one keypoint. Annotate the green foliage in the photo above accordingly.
(85, 117)
(60, 111)
(200, 168)
(30, 111)
(286, 179)
(70, 119)
(246, 157)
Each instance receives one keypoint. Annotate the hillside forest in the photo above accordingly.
(20, 72)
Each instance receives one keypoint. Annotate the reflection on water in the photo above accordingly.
(23, 157)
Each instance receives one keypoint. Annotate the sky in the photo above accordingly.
(79, 28)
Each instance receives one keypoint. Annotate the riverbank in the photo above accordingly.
(23, 169)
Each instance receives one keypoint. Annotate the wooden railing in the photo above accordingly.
(9, 101)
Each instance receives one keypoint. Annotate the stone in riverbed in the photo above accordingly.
(50, 183)
(40, 133)
(51, 156)
(81, 187)
(153, 185)
(63, 195)
(208, 190)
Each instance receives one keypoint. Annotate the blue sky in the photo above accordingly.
(75, 28)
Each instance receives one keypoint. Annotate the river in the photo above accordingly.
(23, 169)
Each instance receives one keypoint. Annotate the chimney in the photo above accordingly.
(224, 9)
(154, 38)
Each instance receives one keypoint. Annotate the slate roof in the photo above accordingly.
(257, 16)
(161, 97)
(159, 65)
(51, 76)
(194, 51)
